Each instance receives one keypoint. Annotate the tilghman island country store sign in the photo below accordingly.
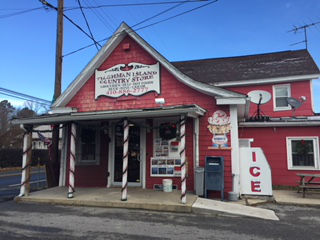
(138, 80)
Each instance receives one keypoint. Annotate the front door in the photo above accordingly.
(134, 176)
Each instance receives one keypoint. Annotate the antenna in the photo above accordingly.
(304, 27)
(259, 97)
(295, 103)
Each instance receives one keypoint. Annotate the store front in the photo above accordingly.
(131, 119)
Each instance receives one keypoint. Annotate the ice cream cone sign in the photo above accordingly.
(219, 126)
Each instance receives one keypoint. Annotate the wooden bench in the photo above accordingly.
(307, 182)
(310, 187)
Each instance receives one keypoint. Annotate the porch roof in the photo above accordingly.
(189, 110)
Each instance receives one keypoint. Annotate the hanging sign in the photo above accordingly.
(219, 126)
(115, 81)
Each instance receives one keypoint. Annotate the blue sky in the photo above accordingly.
(222, 29)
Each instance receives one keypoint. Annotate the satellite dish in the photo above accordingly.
(259, 96)
(294, 103)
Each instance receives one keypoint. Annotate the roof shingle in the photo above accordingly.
(252, 67)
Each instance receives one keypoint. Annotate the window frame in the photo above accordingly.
(274, 87)
(79, 160)
(315, 140)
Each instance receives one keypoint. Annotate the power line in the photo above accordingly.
(20, 12)
(135, 4)
(84, 16)
(160, 13)
(40, 103)
(23, 96)
(152, 24)
(70, 20)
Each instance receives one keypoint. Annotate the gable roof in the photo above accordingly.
(123, 31)
(256, 68)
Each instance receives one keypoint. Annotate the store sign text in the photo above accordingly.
(115, 81)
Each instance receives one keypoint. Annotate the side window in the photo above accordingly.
(280, 95)
(303, 153)
(88, 145)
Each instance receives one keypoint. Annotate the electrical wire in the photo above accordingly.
(84, 16)
(26, 99)
(152, 24)
(135, 4)
(44, 2)
(7, 91)
(20, 12)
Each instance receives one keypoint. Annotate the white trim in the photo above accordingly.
(295, 123)
(111, 160)
(275, 108)
(143, 155)
(196, 134)
(62, 110)
(235, 154)
(196, 128)
(315, 140)
(86, 162)
(312, 98)
(231, 100)
(110, 154)
(107, 49)
(267, 80)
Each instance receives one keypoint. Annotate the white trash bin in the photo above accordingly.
(167, 185)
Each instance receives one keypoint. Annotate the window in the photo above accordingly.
(88, 145)
(280, 95)
(303, 153)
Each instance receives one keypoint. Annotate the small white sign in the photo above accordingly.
(255, 172)
(115, 81)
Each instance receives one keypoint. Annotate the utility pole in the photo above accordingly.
(54, 165)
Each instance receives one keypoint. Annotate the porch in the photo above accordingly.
(138, 198)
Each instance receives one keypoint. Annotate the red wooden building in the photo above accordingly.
(132, 118)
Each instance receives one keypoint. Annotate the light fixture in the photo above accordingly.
(160, 101)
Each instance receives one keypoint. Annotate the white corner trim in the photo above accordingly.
(235, 153)
(281, 124)
(312, 98)
(107, 49)
(267, 80)
(231, 100)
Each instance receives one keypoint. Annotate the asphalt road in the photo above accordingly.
(31, 221)
(10, 183)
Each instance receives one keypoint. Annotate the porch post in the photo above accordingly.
(183, 158)
(72, 160)
(26, 163)
(125, 160)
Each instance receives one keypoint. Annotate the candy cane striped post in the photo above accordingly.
(183, 158)
(26, 163)
(72, 160)
(125, 160)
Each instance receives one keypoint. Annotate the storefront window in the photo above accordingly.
(303, 153)
(166, 158)
(88, 145)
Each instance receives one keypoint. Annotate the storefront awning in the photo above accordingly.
(189, 110)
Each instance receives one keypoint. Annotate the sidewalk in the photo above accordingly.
(292, 197)
(146, 199)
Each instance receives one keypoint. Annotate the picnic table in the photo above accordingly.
(308, 181)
